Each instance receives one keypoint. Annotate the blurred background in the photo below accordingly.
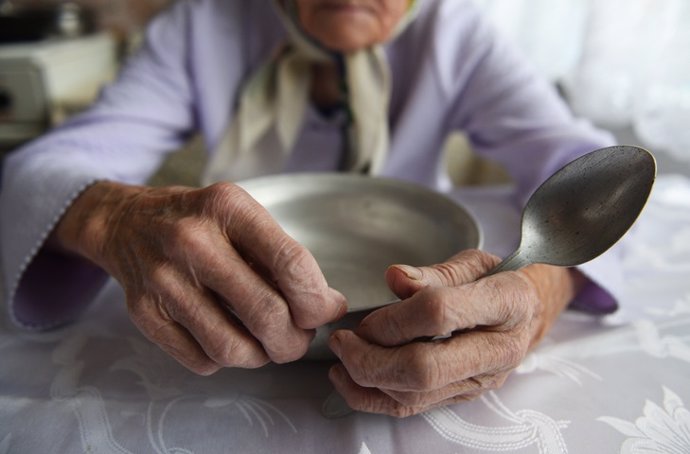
(623, 64)
(56, 55)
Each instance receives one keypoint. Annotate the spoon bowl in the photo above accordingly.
(584, 208)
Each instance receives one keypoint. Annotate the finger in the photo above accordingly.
(370, 400)
(463, 390)
(175, 341)
(500, 303)
(223, 339)
(213, 263)
(426, 366)
(373, 400)
(290, 265)
(464, 267)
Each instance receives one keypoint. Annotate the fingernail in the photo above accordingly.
(341, 300)
(410, 271)
(334, 344)
(335, 406)
(335, 374)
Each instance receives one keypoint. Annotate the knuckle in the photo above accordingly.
(510, 312)
(269, 319)
(289, 351)
(450, 273)
(480, 259)
(392, 326)
(185, 236)
(408, 399)
(170, 299)
(516, 306)
(150, 317)
(292, 260)
(423, 372)
(312, 309)
(227, 202)
(203, 367)
(297, 272)
(356, 371)
(361, 369)
(221, 352)
(436, 308)
(221, 193)
(466, 266)
(268, 315)
(227, 352)
(512, 351)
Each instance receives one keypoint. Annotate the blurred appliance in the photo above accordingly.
(21, 22)
(42, 81)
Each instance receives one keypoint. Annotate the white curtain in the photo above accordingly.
(623, 63)
(538, 26)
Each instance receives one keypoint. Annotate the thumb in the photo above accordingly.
(464, 267)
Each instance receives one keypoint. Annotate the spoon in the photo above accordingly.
(584, 208)
(573, 217)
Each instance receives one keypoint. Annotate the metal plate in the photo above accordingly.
(357, 226)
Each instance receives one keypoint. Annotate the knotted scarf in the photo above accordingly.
(275, 98)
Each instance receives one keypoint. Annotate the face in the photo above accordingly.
(349, 25)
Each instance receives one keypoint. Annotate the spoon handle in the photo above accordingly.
(513, 262)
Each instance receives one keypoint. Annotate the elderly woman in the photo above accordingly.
(369, 86)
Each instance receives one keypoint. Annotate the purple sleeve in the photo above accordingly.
(145, 114)
(514, 117)
(509, 113)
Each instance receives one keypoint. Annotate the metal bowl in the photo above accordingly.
(357, 226)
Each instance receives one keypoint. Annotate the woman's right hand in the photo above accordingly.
(209, 275)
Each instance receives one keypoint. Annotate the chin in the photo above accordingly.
(345, 40)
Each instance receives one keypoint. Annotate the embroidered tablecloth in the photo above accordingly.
(598, 385)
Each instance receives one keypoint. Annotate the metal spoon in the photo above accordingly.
(573, 217)
(584, 208)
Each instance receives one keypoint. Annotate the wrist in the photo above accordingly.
(84, 228)
(556, 287)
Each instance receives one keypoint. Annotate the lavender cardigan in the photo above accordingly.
(450, 72)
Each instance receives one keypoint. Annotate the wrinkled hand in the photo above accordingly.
(209, 275)
(390, 365)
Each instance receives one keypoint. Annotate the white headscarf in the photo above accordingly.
(275, 98)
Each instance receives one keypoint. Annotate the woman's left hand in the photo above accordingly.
(391, 365)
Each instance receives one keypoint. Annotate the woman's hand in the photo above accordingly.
(209, 275)
(391, 365)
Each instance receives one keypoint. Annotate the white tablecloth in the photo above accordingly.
(596, 385)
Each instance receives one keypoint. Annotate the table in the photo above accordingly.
(601, 385)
